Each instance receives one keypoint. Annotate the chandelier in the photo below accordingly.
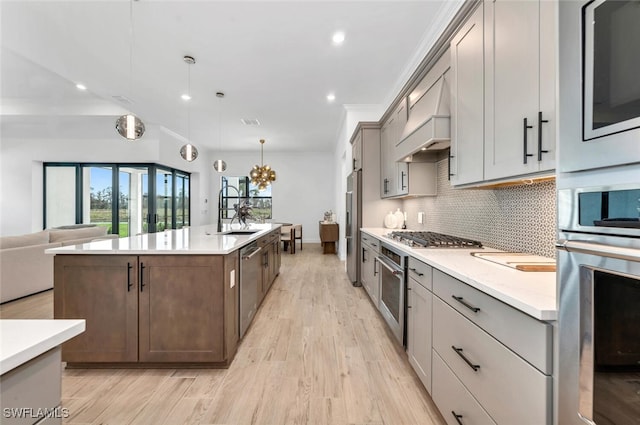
(188, 152)
(262, 175)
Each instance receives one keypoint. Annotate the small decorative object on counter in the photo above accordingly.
(399, 218)
(243, 211)
(390, 221)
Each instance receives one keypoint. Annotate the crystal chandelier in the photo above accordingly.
(262, 175)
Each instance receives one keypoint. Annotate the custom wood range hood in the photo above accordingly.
(428, 124)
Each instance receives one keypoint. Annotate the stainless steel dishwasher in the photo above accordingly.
(250, 276)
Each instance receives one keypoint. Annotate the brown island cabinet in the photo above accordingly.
(156, 310)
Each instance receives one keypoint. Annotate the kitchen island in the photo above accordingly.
(158, 300)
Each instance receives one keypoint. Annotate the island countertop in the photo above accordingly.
(23, 340)
(533, 293)
(199, 240)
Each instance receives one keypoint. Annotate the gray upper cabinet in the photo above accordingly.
(467, 102)
(519, 88)
(503, 93)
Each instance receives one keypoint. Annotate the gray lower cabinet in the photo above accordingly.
(474, 340)
(370, 248)
(419, 330)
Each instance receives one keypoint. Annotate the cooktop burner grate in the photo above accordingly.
(433, 240)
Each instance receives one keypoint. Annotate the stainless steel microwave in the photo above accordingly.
(599, 87)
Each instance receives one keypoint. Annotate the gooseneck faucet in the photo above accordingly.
(224, 186)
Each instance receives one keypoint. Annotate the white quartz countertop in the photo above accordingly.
(533, 293)
(23, 340)
(188, 241)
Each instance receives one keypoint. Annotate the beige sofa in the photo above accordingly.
(24, 267)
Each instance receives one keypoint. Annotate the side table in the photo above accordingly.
(329, 234)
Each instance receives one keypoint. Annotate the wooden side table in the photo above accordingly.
(329, 234)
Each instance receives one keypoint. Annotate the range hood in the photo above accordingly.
(428, 127)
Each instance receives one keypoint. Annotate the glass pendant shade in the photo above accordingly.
(189, 152)
(130, 127)
(219, 165)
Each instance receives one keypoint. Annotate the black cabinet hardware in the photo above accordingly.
(402, 174)
(458, 351)
(525, 129)
(129, 284)
(364, 260)
(449, 166)
(457, 417)
(416, 272)
(142, 284)
(375, 270)
(540, 122)
(466, 304)
(354, 163)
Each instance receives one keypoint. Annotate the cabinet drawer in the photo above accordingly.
(509, 389)
(530, 338)
(452, 397)
(371, 241)
(421, 273)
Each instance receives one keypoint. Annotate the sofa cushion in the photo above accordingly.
(71, 234)
(37, 238)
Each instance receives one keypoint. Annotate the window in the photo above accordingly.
(83, 193)
(260, 201)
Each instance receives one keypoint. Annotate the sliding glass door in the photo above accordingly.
(84, 194)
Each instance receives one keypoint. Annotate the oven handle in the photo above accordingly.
(593, 248)
(394, 270)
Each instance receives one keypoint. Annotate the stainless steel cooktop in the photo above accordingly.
(432, 240)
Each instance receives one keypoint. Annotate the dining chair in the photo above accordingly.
(287, 237)
(297, 235)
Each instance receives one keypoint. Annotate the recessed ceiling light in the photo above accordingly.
(81, 86)
(338, 38)
(185, 97)
(331, 97)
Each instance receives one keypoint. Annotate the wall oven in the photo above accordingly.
(599, 305)
(599, 113)
(393, 271)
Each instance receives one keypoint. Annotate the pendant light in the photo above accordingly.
(219, 165)
(262, 175)
(188, 152)
(130, 126)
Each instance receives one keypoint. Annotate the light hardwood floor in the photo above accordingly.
(317, 353)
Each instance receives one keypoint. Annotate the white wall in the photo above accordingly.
(302, 192)
(21, 175)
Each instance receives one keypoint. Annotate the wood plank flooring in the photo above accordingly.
(317, 352)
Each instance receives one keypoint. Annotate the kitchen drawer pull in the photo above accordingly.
(142, 284)
(457, 417)
(129, 284)
(540, 122)
(375, 269)
(466, 304)
(364, 250)
(458, 351)
(525, 128)
(417, 272)
(402, 174)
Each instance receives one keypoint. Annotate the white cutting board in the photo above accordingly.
(519, 261)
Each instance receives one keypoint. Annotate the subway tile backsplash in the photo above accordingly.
(517, 218)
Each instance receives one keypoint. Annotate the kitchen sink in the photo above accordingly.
(240, 232)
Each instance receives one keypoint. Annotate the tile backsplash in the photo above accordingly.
(516, 218)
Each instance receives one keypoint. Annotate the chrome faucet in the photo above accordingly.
(224, 186)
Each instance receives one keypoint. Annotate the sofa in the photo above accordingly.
(24, 267)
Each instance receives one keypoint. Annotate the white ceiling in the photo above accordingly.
(274, 60)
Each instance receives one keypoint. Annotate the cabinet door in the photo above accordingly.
(386, 173)
(181, 303)
(369, 276)
(512, 46)
(419, 331)
(356, 152)
(103, 290)
(467, 102)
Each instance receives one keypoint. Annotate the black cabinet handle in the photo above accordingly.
(458, 351)
(466, 304)
(416, 272)
(354, 163)
(524, 130)
(457, 417)
(449, 166)
(364, 260)
(540, 122)
(142, 284)
(129, 284)
(375, 270)
(402, 174)
(386, 183)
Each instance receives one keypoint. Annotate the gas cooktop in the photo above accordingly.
(432, 240)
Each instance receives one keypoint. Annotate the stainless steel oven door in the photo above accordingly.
(392, 296)
(599, 330)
